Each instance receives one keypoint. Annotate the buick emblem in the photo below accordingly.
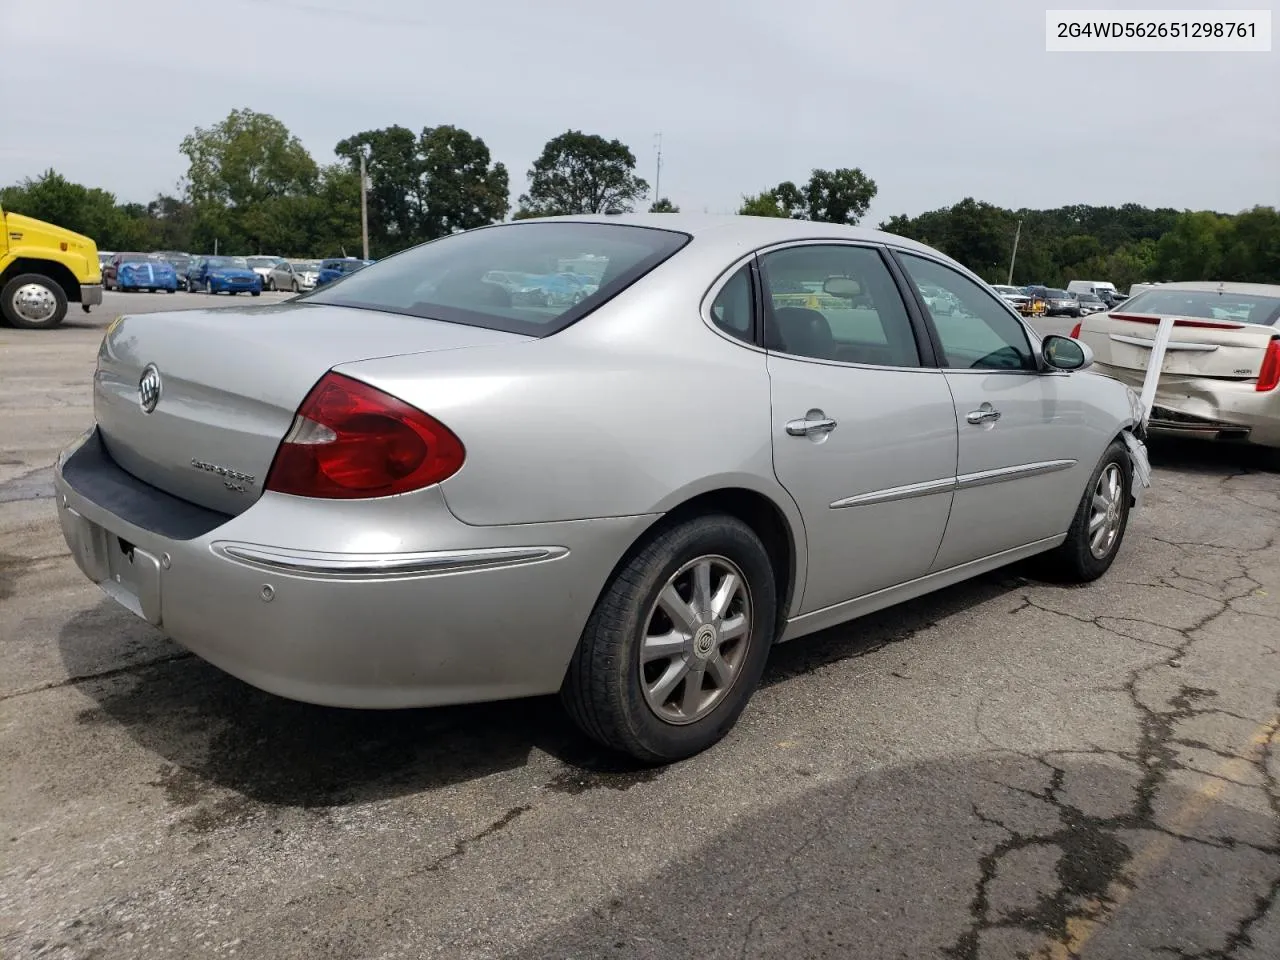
(149, 388)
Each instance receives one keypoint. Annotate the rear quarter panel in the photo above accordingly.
(633, 410)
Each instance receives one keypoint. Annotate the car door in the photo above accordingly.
(1027, 442)
(864, 430)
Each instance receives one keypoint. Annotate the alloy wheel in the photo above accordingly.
(695, 639)
(1106, 512)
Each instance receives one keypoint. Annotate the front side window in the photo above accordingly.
(977, 331)
(731, 310)
(836, 302)
(508, 277)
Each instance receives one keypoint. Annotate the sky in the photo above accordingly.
(935, 100)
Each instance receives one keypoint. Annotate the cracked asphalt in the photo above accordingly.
(1008, 768)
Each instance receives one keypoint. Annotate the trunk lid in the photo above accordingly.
(230, 381)
(1220, 349)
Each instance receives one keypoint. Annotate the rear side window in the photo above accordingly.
(733, 307)
(530, 278)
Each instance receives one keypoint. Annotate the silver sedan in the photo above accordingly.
(406, 489)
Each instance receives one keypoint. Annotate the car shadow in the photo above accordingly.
(219, 731)
(1207, 458)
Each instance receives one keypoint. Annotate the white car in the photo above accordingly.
(263, 266)
(1013, 295)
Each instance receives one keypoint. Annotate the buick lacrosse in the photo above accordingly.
(418, 486)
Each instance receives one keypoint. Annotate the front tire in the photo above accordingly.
(696, 604)
(1100, 521)
(31, 301)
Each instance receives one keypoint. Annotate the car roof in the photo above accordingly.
(743, 231)
(1220, 286)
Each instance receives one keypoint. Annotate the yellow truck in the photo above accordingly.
(42, 269)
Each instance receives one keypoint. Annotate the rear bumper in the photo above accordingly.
(91, 294)
(1207, 407)
(281, 597)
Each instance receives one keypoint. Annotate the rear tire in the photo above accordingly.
(644, 707)
(1100, 522)
(31, 301)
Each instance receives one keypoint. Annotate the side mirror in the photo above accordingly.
(843, 287)
(1064, 353)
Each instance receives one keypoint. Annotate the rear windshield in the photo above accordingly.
(530, 278)
(1207, 304)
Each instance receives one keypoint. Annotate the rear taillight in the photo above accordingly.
(1075, 331)
(1269, 374)
(350, 440)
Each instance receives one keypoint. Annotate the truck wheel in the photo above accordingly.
(31, 301)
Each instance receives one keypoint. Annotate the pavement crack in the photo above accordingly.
(101, 675)
(462, 844)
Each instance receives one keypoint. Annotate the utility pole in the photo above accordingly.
(1015, 251)
(364, 208)
(657, 179)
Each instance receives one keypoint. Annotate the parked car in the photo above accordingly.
(1089, 303)
(1057, 302)
(139, 271)
(263, 266)
(181, 264)
(293, 275)
(223, 275)
(411, 492)
(1221, 373)
(1014, 296)
(330, 270)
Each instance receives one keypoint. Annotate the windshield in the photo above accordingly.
(508, 277)
(227, 262)
(301, 266)
(1057, 294)
(1088, 298)
(262, 261)
(1207, 305)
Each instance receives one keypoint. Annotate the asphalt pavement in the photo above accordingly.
(1007, 768)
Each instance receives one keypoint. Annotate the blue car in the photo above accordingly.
(223, 275)
(331, 270)
(138, 271)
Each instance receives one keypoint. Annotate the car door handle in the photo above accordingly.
(987, 414)
(815, 422)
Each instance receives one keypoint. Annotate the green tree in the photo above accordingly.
(784, 200)
(1251, 246)
(427, 185)
(245, 159)
(838, 196)
(663, 205)
(395, 188)
(55, 199)
(1192, 250)
(582, 173)
(829, 196)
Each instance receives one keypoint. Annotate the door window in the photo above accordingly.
(836, 302)
(732, 308)
(977, 331)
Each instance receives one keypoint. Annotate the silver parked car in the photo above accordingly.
(1220, 379)
(409, 489)
(293, 276)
